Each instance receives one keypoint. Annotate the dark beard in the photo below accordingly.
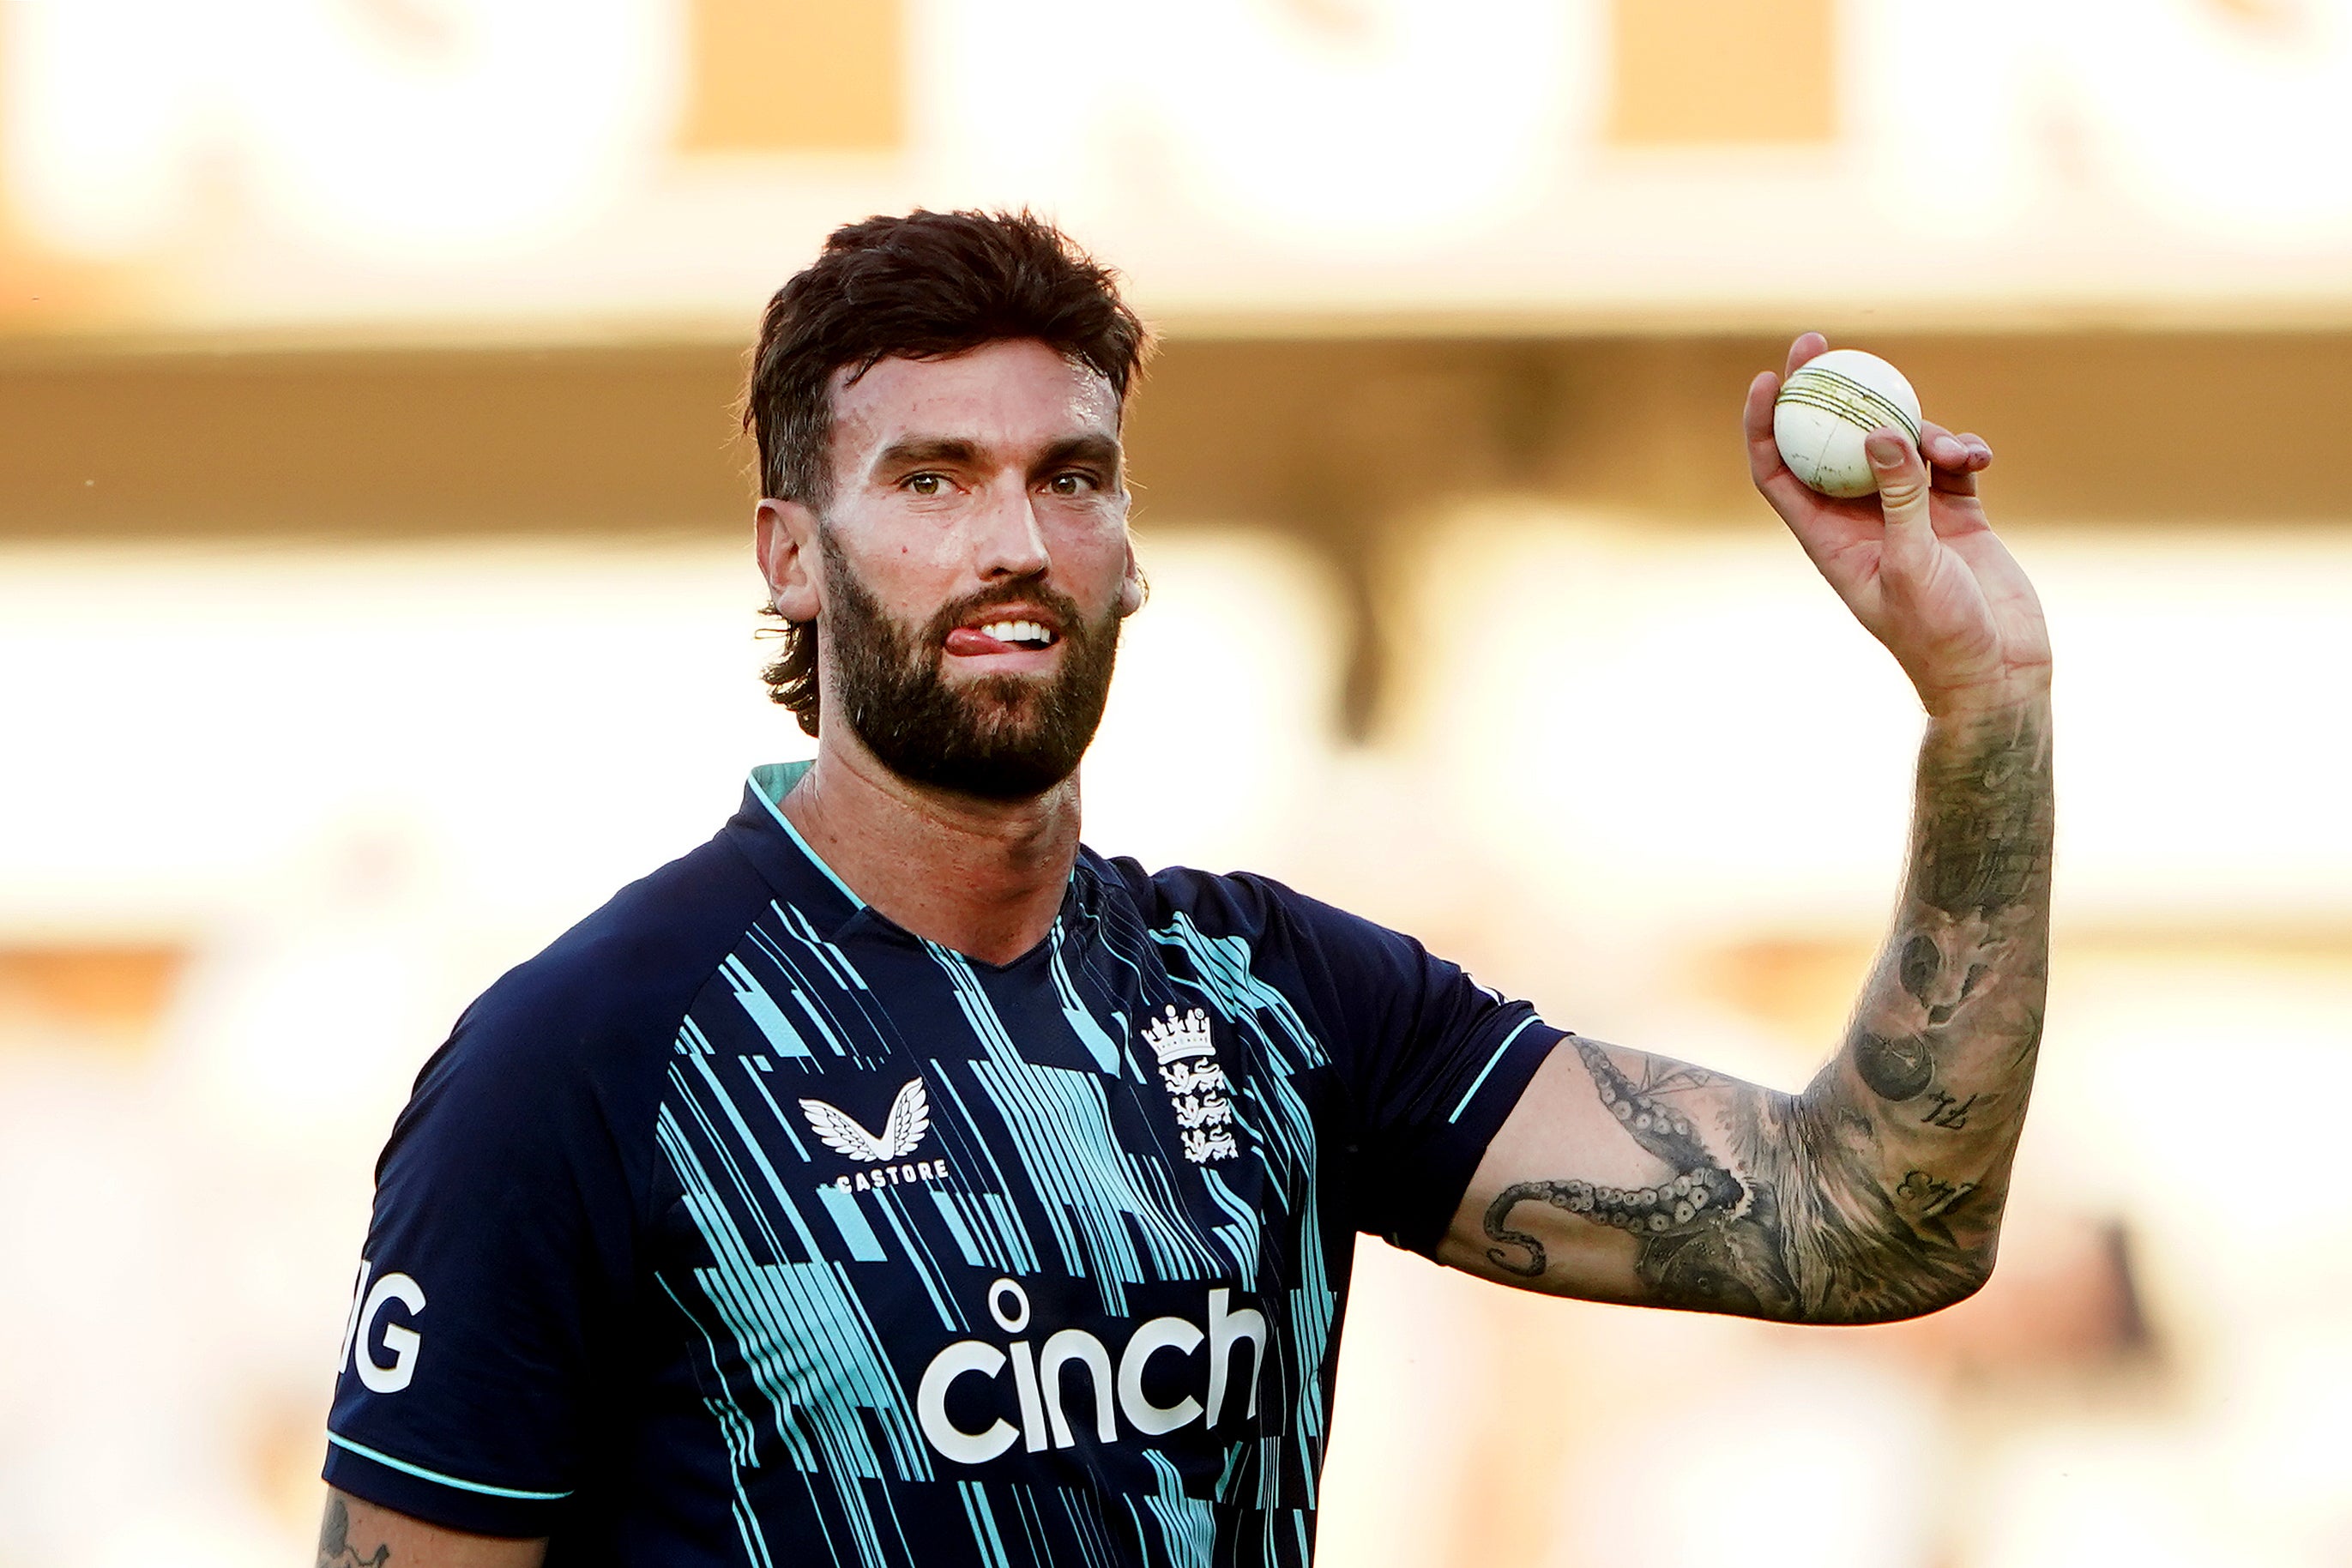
(1001, 737)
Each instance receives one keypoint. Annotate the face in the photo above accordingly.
(968, 576)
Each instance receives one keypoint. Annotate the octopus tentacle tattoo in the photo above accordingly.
(1707, 1235)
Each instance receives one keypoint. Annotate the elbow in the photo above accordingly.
(1945, 1289)
(1917, 1289)
(1978, 1276)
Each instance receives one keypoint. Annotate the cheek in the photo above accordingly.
(1095, 555)
(902, 564)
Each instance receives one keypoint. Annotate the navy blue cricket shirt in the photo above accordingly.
(743, 1226)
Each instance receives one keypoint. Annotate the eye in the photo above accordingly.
(925, 484)
(1072, 484)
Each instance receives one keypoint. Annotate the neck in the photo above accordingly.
(983, 877)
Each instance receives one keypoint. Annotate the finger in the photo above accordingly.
(1770, 471)
(1903, 486)
(1763, 448)
(1945, 450)
(1953, 482)
(1956, 460)
(1821, 525)
(1941, 446)
(1807, 346)
(1765, 465)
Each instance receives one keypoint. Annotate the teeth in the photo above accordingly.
(1018, 631)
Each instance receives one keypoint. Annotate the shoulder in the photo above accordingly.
(1231, 904)
(643, 954)
(1269, 916)
(1227, 903)
(591, 1015)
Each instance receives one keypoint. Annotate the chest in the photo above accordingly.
(938, 1219)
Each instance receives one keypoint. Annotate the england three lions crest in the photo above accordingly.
(1186, 1053)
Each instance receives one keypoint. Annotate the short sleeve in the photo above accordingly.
(498, 1261)
(1432, 1062)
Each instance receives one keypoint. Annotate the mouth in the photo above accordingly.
(1001, 635)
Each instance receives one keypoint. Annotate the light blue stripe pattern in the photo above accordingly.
(364, 1452)
(735, 1427)
(1472, 1092)
(1100, 1200)
(1187, 1529)
(761, 1008)
(776, 1110)
(858, 1236)
(945, 1203)
(982, 1519)
(1269, 1107)
(1090, 1034)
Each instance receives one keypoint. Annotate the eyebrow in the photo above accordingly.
(916, 450)
(1099, 449)
(927, 449)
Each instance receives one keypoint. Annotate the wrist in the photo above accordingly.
(2003, 693)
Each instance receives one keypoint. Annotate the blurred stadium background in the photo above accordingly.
(375, 599)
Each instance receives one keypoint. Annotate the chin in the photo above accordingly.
(1007, 782)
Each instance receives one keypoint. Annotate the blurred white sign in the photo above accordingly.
(433, 126)
(360, 163)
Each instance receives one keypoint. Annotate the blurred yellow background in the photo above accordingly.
(375, 599)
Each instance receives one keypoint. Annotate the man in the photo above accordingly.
(893, 1180)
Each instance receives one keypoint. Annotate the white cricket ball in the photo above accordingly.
(1824, 410)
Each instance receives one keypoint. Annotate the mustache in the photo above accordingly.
(1026, 591)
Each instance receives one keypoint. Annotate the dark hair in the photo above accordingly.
(925, 286)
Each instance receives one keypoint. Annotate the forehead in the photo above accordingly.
(1011, 394)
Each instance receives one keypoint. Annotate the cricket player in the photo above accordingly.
(894, 1180)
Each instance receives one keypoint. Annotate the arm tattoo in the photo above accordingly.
(1706, 1238)
(335, 1548)
(1876, 1193)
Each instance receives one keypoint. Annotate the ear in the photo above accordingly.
(1132, 588)
(785, 539)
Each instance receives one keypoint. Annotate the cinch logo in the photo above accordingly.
(1041, 1386)
(358, 1330)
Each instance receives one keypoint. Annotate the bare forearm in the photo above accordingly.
(1876, 1193)
(1910, 1130)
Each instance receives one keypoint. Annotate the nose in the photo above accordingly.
(1010, 542)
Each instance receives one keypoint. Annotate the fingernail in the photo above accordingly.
(1884, 451)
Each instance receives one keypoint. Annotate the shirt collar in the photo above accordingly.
(800, 874)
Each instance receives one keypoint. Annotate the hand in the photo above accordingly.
(1916, 563)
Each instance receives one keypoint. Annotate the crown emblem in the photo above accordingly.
(1174, 1040)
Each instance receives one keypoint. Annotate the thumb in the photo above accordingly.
(1903, 488)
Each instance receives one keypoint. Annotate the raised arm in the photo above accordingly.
(1876, 1193)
